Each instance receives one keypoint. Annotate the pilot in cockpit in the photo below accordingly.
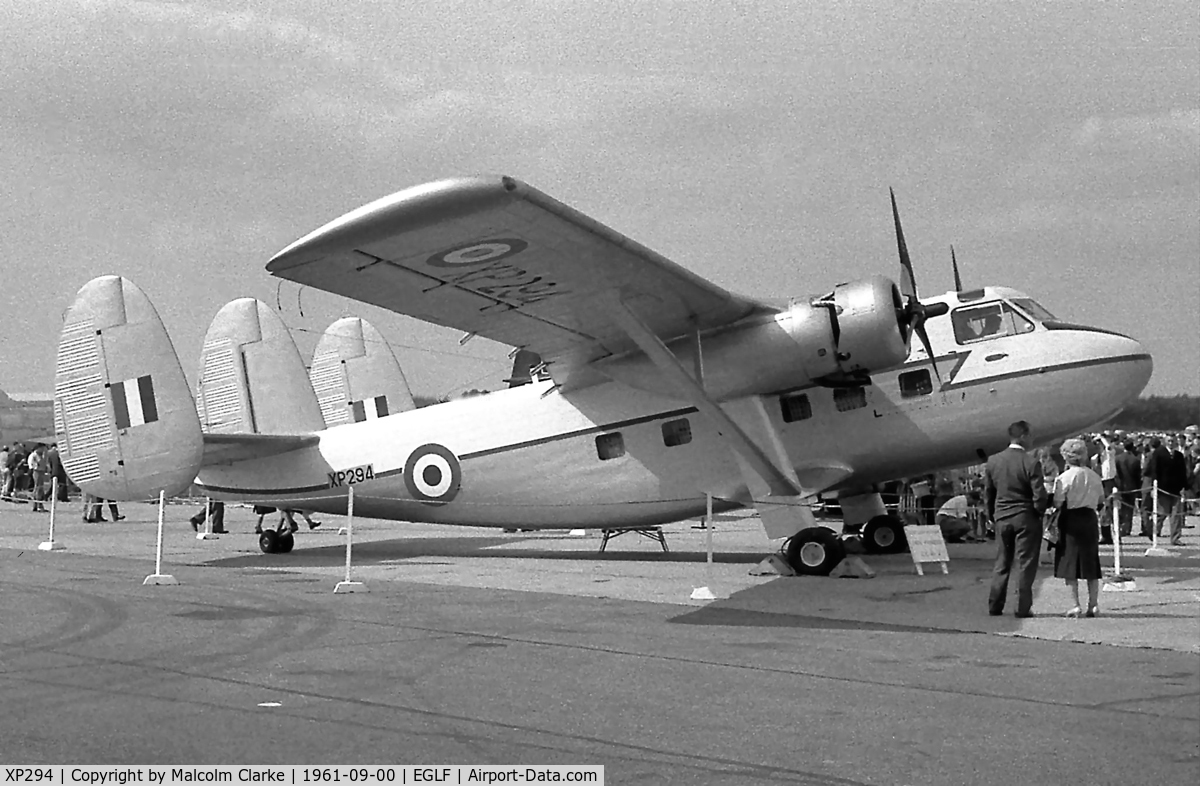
(991, 324)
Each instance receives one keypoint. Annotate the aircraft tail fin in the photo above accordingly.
(356, 375)
(524, 363)
(124, 416)
(252, 380)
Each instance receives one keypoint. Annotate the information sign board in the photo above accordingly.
(927, 545)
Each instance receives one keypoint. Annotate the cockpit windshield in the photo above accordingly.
(988, 321)
(1034, 309)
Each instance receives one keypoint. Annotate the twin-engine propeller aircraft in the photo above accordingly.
(654, 388)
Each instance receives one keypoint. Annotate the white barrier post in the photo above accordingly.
(348, 585)
(207, 533)
(51, 544)
(1155, 550)
(705, 593)
(1118, 582)
(158, 577)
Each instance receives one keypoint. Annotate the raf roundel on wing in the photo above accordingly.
(478, 253)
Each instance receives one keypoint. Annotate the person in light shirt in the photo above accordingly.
(1078, 493)
(955, 517)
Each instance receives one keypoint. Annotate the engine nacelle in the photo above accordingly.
(867, 328)
(838, 339)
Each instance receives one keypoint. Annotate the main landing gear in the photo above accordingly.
(816, 551)
(884, 535)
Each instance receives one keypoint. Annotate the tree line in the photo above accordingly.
(1159, 413)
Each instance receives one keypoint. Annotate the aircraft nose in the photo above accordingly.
(1128, 364)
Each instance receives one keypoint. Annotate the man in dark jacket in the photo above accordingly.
(1129, 484)
(1016, 497)
(58, 473)
(1168, 467)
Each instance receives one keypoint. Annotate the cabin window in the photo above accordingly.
(915, 383)
(1034, 309)
(846, 399)
(676, 432)
(991, 320)
(795, 407)
(610, 446)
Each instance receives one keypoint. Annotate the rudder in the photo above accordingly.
(252, 380)
(123, 414)
(356, 375)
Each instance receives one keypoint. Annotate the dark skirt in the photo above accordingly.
(1077, 555)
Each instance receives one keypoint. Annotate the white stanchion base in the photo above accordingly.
(1159, 551)
(207, 536)
(160, 579)
(578, 533)
(51, 545)
(703, 593)
(1119, 584)
(345, 587)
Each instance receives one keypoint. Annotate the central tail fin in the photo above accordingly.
(252, 380)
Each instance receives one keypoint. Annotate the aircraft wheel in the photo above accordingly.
(815, 551)
(884, 535)
(268, 541)
(286, 542)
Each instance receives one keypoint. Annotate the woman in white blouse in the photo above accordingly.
(1078, 492)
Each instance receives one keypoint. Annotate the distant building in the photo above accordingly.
(22, 419)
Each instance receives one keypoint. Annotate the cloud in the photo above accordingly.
(1166, 130)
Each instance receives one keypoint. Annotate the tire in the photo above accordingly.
(884, 535)
(815, 551)
(287, 541)
(268, 541)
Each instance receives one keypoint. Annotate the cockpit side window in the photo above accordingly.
(1034, 309)
(988, 321)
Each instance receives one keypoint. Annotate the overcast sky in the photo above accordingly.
(1055, 144)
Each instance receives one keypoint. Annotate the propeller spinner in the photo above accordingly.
(914, 313)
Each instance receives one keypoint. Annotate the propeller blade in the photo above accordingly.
(954, 264)
(908, 281)
(928, 348)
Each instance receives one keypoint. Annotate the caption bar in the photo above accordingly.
(169, 775)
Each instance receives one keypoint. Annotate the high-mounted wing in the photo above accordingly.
(498, 258)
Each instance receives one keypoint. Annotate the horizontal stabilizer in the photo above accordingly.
(356, 375)
(252, 380)
(228, 448)
(124, 416)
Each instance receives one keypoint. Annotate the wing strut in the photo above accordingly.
(777, 480)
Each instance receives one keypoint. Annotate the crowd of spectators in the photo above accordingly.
(1127, 462)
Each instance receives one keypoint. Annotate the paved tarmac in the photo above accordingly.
(479, 647)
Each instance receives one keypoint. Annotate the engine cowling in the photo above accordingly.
(834, 340)
(868, 329)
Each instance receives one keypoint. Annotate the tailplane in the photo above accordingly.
(356, 375)
(124, 416)
(252, 380)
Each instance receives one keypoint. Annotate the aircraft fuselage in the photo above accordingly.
(613, 455)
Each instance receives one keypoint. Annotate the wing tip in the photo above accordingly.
(414, 206)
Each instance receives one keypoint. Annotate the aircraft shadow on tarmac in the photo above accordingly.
(381, 551)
